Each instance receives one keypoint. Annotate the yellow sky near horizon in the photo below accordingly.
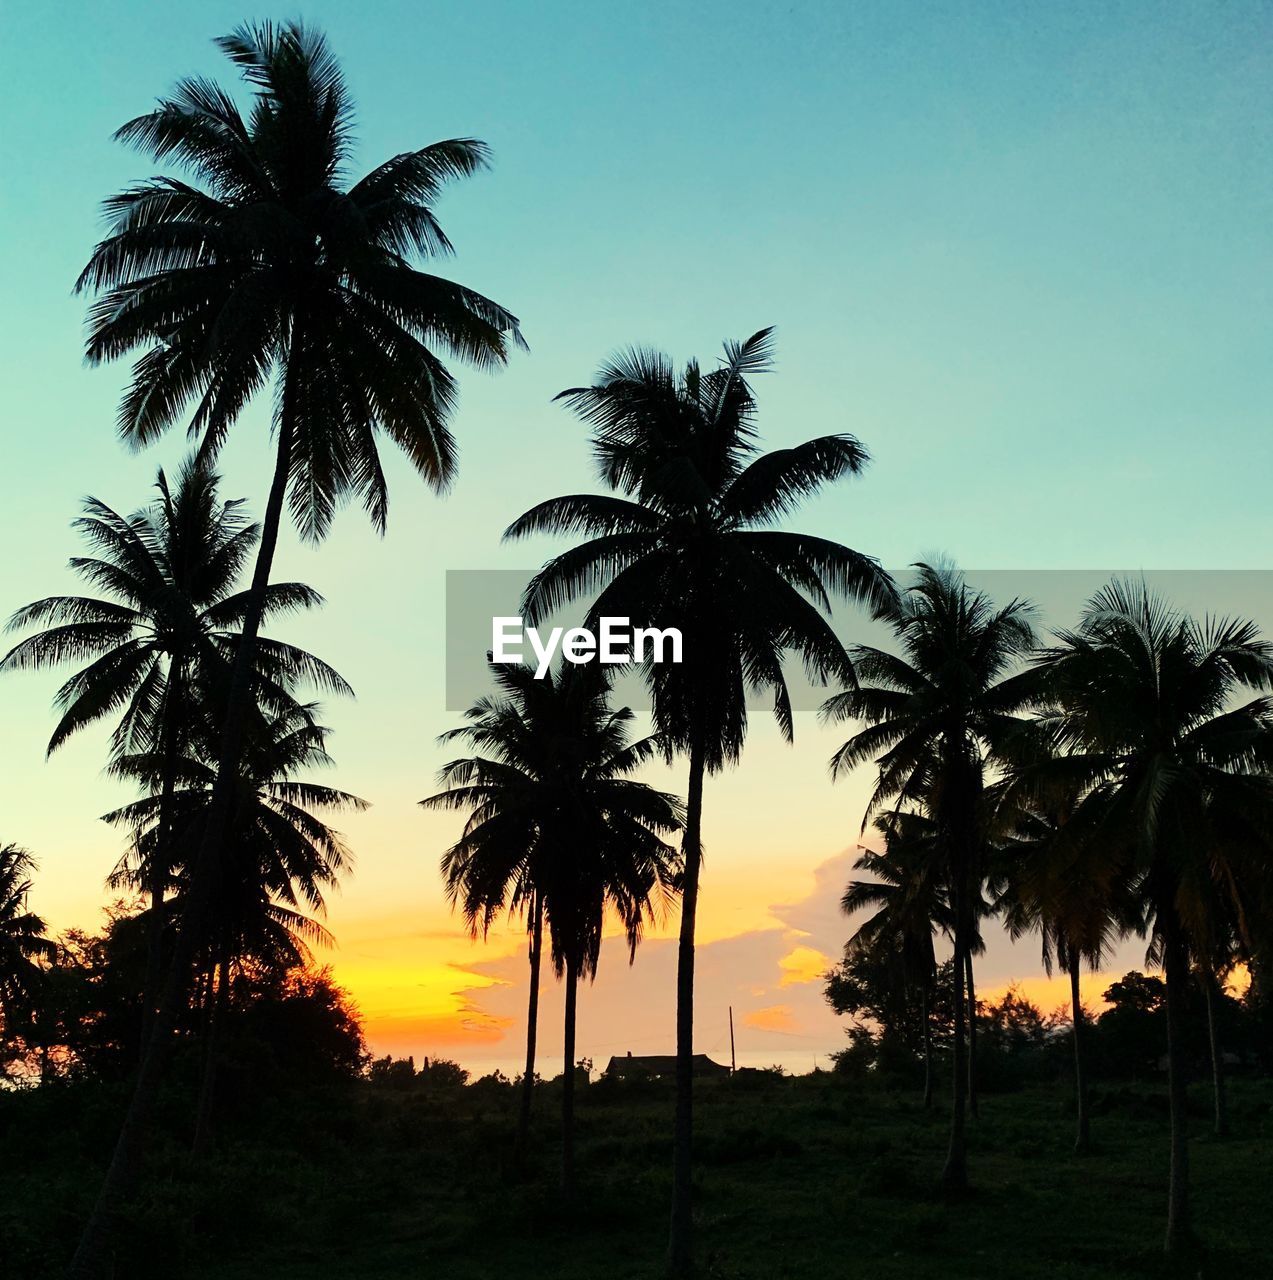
(780, 843)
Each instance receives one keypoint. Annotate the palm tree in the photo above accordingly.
(685, 540)
(1145, 707)
(261, 265)
(488, 869)
(936, 717)
(158, 641)
(607, 855)
(1056, 877)
(557, 825)
(908, 902)
(22, 936)
(280, 862)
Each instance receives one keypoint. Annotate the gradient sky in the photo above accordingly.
(1022, 251)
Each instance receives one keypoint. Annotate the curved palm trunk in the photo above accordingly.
(1176, 966)
(94, 1256)
(680, 1235)
(928, 1044)
(207, 1088)
(972, 1035)
(532, 1025)
(568, 1084)
(1081, 1141)
(1211, 990)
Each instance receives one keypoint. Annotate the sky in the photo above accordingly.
(1023, 252)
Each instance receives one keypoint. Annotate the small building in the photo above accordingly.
(660, 1066)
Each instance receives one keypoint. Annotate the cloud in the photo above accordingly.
(802, 965)
(774, 1017)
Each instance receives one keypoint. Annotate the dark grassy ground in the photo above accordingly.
(811, 1177)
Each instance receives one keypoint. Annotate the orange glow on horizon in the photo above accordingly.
(1052, 995)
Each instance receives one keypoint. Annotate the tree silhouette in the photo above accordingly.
(264, 267)
(685, 540)
(488, 870)
(23, 944)
(1057, 877)
(1145, 710)
(935, 718)
(279, 863)
(558, 824)
(908, 901)
(158, 643)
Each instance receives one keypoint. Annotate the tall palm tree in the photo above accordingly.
(908, 903)
(557, 824)
(685, 539)
(158, 640)
(280, 862)
(261, 265)
(1145, 707)
(1055, 876)
(23, 943)
(936, 716)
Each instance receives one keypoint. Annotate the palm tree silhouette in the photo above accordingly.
(685, 540)
(488, 870)
(908, 902)
(22, 936)
(557, 828)
(280, 862)
(158, 643)
(1145, 709)
(265, 266)
(935, 716)
(1054, 875)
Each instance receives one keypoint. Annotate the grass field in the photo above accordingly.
(798, 1178)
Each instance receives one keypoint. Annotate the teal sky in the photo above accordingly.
(1024, 252)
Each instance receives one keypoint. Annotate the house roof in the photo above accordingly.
(662, 1064)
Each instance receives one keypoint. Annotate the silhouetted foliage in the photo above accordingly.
(686, 538)
(262, 268)
(887, 1035)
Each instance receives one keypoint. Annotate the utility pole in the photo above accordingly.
(733, 1063)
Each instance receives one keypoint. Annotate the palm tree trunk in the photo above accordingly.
(161, 860)
(93, 1258)
(207, 1088)
(568, 1084)
(1176, 966)
(928, 1045)
(955, 1175)
(680, 1236)
(972, 1035)
(1081, 1142)
(1211, 989)
(532, 1024)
